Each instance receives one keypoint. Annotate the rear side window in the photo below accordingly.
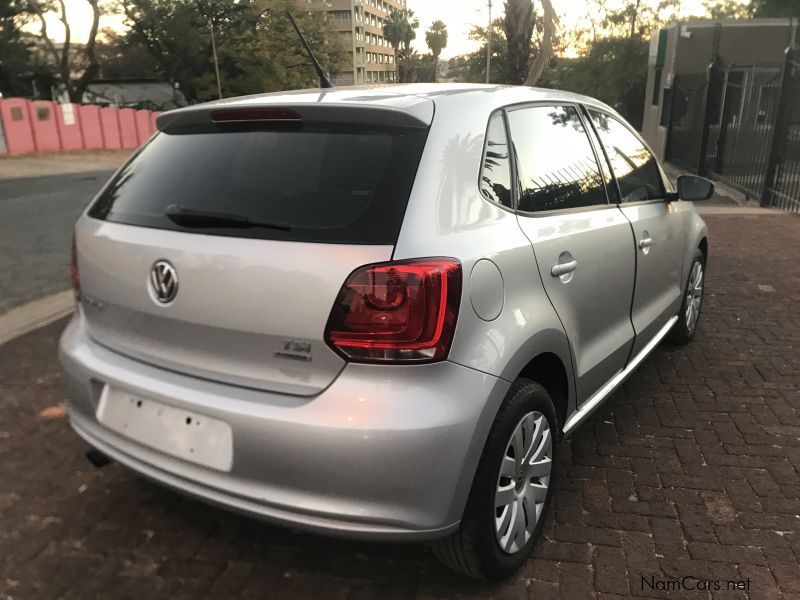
(314, 183)
(556, 164)
(635, 168)
(496, 171)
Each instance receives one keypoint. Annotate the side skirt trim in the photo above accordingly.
(588, 407)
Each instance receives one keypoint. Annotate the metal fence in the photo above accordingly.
(741, 124)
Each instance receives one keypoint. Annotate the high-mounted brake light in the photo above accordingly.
(75, 274)
(397, 312)
(249, 115)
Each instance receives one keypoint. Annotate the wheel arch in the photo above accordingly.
(703, 245)
(549, 371)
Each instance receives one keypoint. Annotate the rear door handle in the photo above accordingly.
(645, 242)
(564, 268)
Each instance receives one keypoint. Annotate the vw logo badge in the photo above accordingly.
(163, 281)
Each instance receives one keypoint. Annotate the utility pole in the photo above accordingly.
(489, 45)
(214, 52)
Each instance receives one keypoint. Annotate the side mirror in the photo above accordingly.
(692, 188)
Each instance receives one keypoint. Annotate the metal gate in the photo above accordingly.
(783, 179)
(743, 108)
(741, 125)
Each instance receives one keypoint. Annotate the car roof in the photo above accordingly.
(398, 104)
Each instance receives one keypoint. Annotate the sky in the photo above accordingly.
(459, 15)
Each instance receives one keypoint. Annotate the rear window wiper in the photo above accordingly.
(190, 217)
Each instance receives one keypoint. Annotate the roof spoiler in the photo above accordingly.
(201, 117)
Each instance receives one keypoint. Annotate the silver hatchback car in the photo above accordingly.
(375, 312)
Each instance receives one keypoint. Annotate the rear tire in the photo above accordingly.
(487, 545)
(689, 314)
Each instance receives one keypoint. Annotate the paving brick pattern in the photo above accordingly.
(690, 470)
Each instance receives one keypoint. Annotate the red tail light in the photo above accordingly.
(75, 274)
(397, 312)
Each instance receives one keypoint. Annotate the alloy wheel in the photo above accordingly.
(694, 296)
(523, 482)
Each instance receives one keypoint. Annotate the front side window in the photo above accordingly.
(496, 166)
(557, 167)
(636, 169)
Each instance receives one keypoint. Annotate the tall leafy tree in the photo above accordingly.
(257, 49)
(519, 21)
(64, 58)
(436, 38)
(401, 29)
(22, 73)
(727, 9)
(547, 46)
(775, 8)
(472, 67)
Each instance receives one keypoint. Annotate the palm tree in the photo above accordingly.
(400, 30)
(436, 38)
(548, 42)
(518, 24)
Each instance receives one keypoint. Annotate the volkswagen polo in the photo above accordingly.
(375, 312)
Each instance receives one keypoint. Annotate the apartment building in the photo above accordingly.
(360, 25)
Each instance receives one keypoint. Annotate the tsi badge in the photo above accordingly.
(163, 281)
(295, 350)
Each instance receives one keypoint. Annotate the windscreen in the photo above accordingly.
(313, 183)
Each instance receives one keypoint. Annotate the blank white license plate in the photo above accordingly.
(187, 435)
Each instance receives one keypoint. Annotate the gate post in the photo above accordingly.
(779, 127)
(701, 161)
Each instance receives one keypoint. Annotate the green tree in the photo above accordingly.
(547, 45)
(613, 70)
(519, 21)
(65, 60)
(436, 39)
(257, 49)
(472, 67)
(775, 8)
(400, 29)
(727, 9)
(22, 73)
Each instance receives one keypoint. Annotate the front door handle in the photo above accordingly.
(564, 268)
(645, 242)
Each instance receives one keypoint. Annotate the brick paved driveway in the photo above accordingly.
(690, 470)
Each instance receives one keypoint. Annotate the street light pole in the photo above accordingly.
(489, 45)
(214, 52)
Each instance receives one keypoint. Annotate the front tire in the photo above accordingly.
(683, 331)
(512, 489)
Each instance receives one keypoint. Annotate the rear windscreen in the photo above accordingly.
(337, 184)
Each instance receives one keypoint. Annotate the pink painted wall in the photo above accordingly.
(44, 126)
(127, 127)
(17, 127)
(69, 126)
(91, 127)
(109, 121)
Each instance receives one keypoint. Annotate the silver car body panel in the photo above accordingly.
(349, 448)
(593, 301)
(349, 458)
(659, 229)
(236, 317)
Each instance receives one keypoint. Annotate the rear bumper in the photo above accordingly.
(383, 453)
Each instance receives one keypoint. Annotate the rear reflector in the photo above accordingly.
(397, 312)
(249, 115)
